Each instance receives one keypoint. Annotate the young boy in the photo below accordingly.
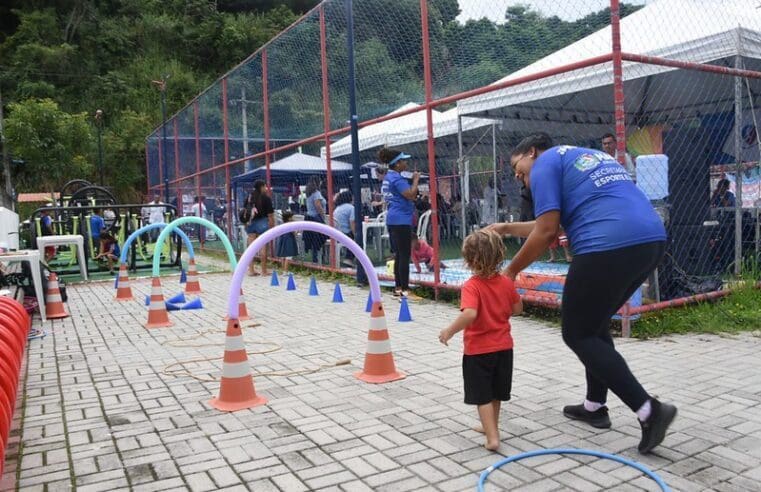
(109, 249)
(488, 299)
(561, 240)
(422, 252)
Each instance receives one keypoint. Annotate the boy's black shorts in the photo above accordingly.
(487, 377)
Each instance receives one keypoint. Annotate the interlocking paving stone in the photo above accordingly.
(103, 411)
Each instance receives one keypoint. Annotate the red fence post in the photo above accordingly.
(198, 148)
(228, 204)
(147, 169)
(432, 185)
(266, 116)
(177, 162)
(334, 262)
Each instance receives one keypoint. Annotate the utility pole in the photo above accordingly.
(99, 125)
(162, 87)
(249, 164)
(6, 158)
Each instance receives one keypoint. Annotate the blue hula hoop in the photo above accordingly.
(647, 471)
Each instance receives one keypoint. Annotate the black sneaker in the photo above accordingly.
(654, 429)
(598, 419)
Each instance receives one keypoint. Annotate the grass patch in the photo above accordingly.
(738, 312)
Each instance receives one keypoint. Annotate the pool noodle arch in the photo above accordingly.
(150, 227)
(253, 249)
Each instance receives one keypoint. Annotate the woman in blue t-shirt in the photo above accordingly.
(400, 200)
(617, 240)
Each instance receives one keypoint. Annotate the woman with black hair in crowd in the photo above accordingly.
(262, 217)
(400, 197)
(316, 210)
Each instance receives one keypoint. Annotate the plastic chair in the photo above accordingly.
(422, 225)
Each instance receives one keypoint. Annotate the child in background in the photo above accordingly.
(487, 301)
(286, 246)
(561, 240)
(422, 252)
(109, 249)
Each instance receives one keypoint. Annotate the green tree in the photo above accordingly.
(54, 145)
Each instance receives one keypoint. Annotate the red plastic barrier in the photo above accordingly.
(15, 324)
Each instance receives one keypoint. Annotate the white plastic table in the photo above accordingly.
(33, 257)
(74, 239)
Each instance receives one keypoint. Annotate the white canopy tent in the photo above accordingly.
(707, 31)
(410, 128)
(718, 32)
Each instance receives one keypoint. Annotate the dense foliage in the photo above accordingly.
(61, 60)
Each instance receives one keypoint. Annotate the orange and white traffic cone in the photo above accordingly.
(242, 310)
(236, 390)
(192, 286)
(379, 361)
(54, 307)
(123, 289)
(158, 317)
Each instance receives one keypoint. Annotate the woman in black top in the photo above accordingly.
(262, 218)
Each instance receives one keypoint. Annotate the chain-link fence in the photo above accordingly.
(668, 87)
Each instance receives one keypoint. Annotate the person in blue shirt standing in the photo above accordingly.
(617, 240)
(400, 197)
(97, 224)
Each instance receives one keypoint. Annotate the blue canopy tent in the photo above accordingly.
(296, 169)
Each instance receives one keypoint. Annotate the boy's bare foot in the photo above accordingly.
(492, 446)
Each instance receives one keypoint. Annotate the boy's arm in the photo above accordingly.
(465, 318)
(416, 261)
(518, 307)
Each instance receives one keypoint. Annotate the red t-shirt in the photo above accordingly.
(493, 298)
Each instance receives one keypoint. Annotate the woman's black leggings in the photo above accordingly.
(597, 285)
(401, 235)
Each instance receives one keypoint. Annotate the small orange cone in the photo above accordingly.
(242, 310)
(379, 361)
(192, 286)
(236, 390)
(158, 317)
(123, 289)
(53, 304)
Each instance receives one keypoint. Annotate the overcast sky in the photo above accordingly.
(566, 10)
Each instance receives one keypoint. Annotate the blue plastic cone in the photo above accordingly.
(275, 282)
(337, 295)
(170, 306)
(194, 304)
(147, 300)
(313, 287)
(291, 283)
(369, 305)
(116, 282)
(404, 311)
(178, 299)
(183, 276)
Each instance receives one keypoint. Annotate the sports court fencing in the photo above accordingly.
(674, 83)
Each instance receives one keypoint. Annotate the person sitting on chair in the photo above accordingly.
(722, 197)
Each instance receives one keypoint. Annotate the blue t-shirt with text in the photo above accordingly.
(400, 210)
(600, 206)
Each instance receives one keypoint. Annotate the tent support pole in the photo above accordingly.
(738, 161)
(494, 156)
(461, 170)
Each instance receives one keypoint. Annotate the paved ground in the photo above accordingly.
(100, 410)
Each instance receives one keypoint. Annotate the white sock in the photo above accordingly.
(644, 411)
(592, 406)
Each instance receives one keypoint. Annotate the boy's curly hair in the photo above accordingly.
(483, 252)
